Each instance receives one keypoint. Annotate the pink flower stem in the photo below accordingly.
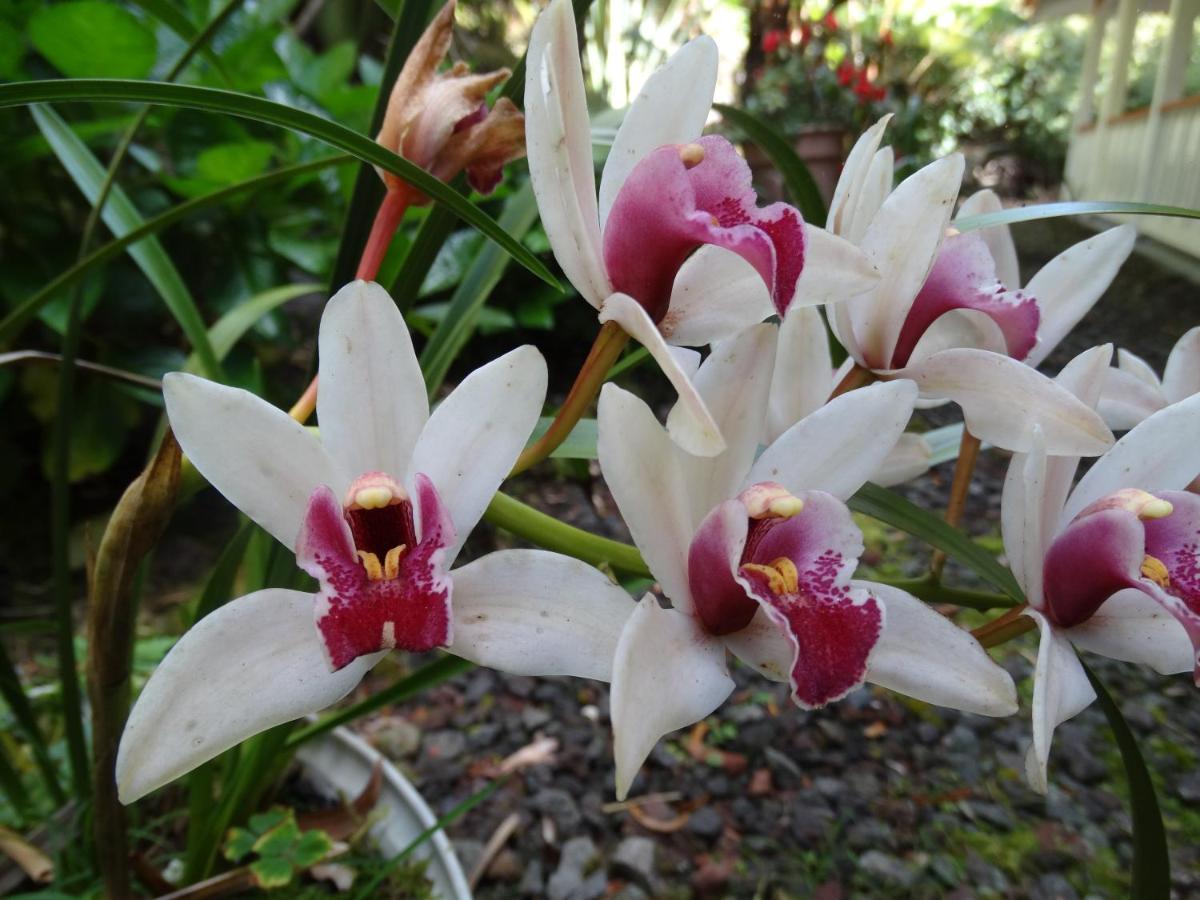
(387, 220)
(1004, 628)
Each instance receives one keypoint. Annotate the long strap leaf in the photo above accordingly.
(261, 110)
(1071, 208)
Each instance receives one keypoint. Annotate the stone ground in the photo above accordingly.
(876, 796)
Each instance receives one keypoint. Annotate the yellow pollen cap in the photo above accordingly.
(691, 155)
(1156, 509)
(374, 490)
(768, 500)
(1153, 568)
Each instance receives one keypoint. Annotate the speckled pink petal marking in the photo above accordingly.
(964, 277)
(681, 197)
(1174, 540)
(368, 601)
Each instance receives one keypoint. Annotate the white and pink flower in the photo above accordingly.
(377, 509)
(1112, 566)
(757, 556)
(1133, 390)
(675, 249)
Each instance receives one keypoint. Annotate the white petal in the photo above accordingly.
(734, 382)
(803, 376)
(902, 242)
(1070, 284)
(838, 447)
(264, 461)
(834, 269)
(1134, 365)
(854, 175)
(531, 612)
(667, 674)
(1128, 400)
(476, 434)
(253, 664)
(691, 425)
(908, 459)
(998, 238)
(687, 359)
(1003, 399)
(878, 184)
(764, 647)
(1157, 455)
(1181, 377)
(970, 328)
(924, 655)
(716, 294)
(558, 139)
(1132, 627)
(371, 400)
(642, 469)
(671, 108)
(1060, 690)
(1023, 518)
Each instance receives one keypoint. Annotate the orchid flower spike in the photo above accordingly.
(441, 121)
(1133, 391)
(947, 312)
(1112, 566)
(756, 557)
(675, 250)
(376, 508)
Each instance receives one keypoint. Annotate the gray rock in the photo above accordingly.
(706, 822)
(984, 876)
(994, 814)
(810, 823)
(468, 852)
(569, 880)
(1189, 787)
(830, 788)
(534, 717)
(1053, 886)
(533, 882)
(869, 834)
(634, 859)
(559, 806)
(887, 868)
(946, 869)
(447, 744)
(399, 740)
(744, 713)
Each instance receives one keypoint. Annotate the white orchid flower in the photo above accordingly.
(756, 557)
(1112, 565)
(377, 508)
(947, 312)
(1132, 391)
(804, 379)
(675, 250)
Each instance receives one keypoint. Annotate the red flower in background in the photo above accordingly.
(888, 39)
(846, 73)
(806, 33)
(772, 39)
(830, 21)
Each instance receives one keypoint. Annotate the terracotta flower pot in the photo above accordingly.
(823, 149)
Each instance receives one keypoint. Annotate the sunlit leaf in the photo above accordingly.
(92, 39)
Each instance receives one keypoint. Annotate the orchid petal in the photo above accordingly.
(902, 242)
(1061, 690)
(964, 277)
(923, 654)
(1128, 400)
(1157, 455)
(834, 269)
(716, 295)
(671, 108)
(1134, 365)
(253, 664)
(998, 238)
(476, 434)
(1023, 518)
(1071, 283)
(803, 375)
(854, 176)
(559, 148)
(371, 403)
(734, 382)
(692, 426)
(984, 384)
(838, 447)
(908, 459)
(641, 467)
(719, 600)
(958, 328)
(881, 175)
(667, 674)
(1181, 377)
(1174, 541)
(530, 612)
(1133, 627)
(264, 461)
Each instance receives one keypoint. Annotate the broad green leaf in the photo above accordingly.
(310, 848)
(93, 39)
(28, 307)
(265, 111)
(467, 303)
(122, 217)
(280, 838)
(1151, 876)
(799, 181)
(230, 328)
(1071, 208)
(168, 14)
(12, 51)
(238, 844)
(580, 443)
(272, 872)
(889, 507)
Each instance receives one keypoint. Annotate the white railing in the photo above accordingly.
(1105, 162)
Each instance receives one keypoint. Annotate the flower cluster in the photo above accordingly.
(738, 502)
